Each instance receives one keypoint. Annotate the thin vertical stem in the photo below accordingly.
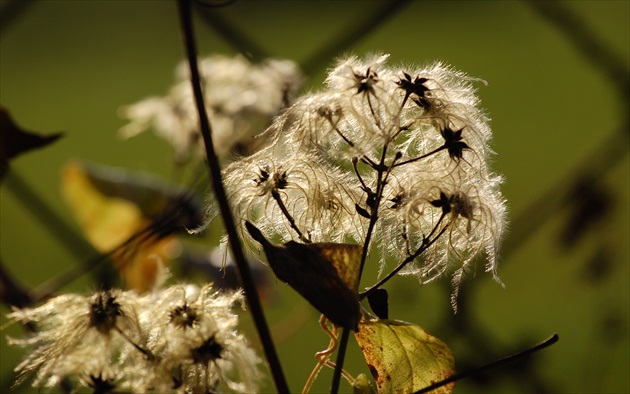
(382, 170)
(341, 355)
(245, 275)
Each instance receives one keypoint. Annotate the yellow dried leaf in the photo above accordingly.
(325, 274)
(110, 221)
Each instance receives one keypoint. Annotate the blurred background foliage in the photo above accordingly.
(557, 94)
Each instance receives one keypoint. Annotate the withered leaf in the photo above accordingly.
(134, 222)
(154, 196)
(325, 274)
(15, 140)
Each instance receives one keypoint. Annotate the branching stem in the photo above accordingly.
(382, 174)
(285, 212)
(425, 245)
(146, 353)
(363, 157)
(441, 148)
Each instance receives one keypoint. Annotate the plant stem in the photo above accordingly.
(244, 270)
(11, 292)
(382, 172)
(421, 157)
(402, 265)
(341, 355)
(548, 342)
(74, 243)
(285, 212)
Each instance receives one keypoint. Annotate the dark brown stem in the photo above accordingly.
(245, 275)
(421, 157)
(341, 355)
(285, 212)
(146, 353)
(58, 228)
(12, 293)
(382, 173)
(421, 249)
(548, 342)
(363, 158)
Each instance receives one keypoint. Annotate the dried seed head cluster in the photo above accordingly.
(241, 98)
(178, 339)
(402, 150)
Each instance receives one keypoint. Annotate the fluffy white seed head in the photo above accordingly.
(180, 338)
(240, 97)
(408, 146)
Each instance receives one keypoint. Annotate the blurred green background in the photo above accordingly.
(557, 116)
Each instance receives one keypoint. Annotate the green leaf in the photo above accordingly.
(404, 358)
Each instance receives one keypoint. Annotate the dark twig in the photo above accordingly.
(548, 342)
(593, 49)
(47, 288)
(11, 293)
(341, 355)
(425, 245)
(373, 202)
(287, 215)
(12, 11)
(343, 41)
(57, 226)
(239, 41)
(244, 270)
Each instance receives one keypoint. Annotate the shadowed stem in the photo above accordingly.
(245, 275)
(423, 247)
(381, 178)
(441, 148)
(11, 292)
(548, 342)
(285, 212)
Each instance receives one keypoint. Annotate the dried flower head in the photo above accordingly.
(240, 97)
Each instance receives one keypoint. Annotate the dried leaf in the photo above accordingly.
(14, 140)
(403, 358)
(110, 221)
(325, 274)
(152, 195)
(378, 300)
